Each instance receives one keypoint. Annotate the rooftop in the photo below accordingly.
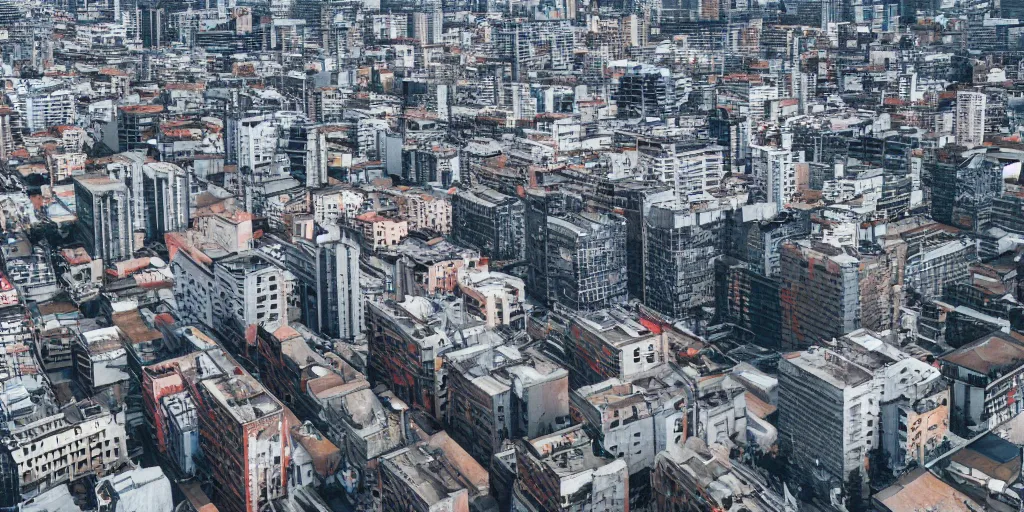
(993, 352)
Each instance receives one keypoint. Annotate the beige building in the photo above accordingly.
(379, 231)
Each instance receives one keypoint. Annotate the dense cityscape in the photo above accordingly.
(511, 255)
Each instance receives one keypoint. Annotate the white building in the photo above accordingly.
(45, 110)
(82, 439)
(970, 118)
(774, 175)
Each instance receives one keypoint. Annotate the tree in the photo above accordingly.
(854, 492)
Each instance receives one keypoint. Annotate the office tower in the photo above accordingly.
(829, 291)
(166, 191)
(586, 260)
(490, 221)
(316, 157)
(539, 204)
(327, 282)
(680, 247)
(104, 211)
(690, 167)
(970, 118)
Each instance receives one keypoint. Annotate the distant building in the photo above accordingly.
(137, 125)
(646, 91)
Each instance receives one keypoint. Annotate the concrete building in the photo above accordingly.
(983, 374)
(774, 174)
(825, 402)
(82, 439)
(101, 360)
(135, 490)
(248, 289)
(689, 167)
(696, 476)
(380, 231)
(181, 430)
(586, 261)
(634, 420)
(937, 265)
(166, 190)
(403, 344)
(606, 344)
(560, 471)
(646, 91)
(828, 291)
(489, 221)
(499, 393)
(430, 266)
(137, 125)
(327, 283)
(105, 215)
(243, 436)
(498, 299)
(43, 110)
(970, 118)
(435, 474)
(426, 212)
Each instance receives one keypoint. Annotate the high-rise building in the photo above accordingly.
(44, 110)
(774, 175)
(970, 118)
(646, 91)
(680, 247)
(586, 260)
(490, 221)
(829, 291)
(689, 167)
(104, 212)
(137, 125)
(166, 191)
